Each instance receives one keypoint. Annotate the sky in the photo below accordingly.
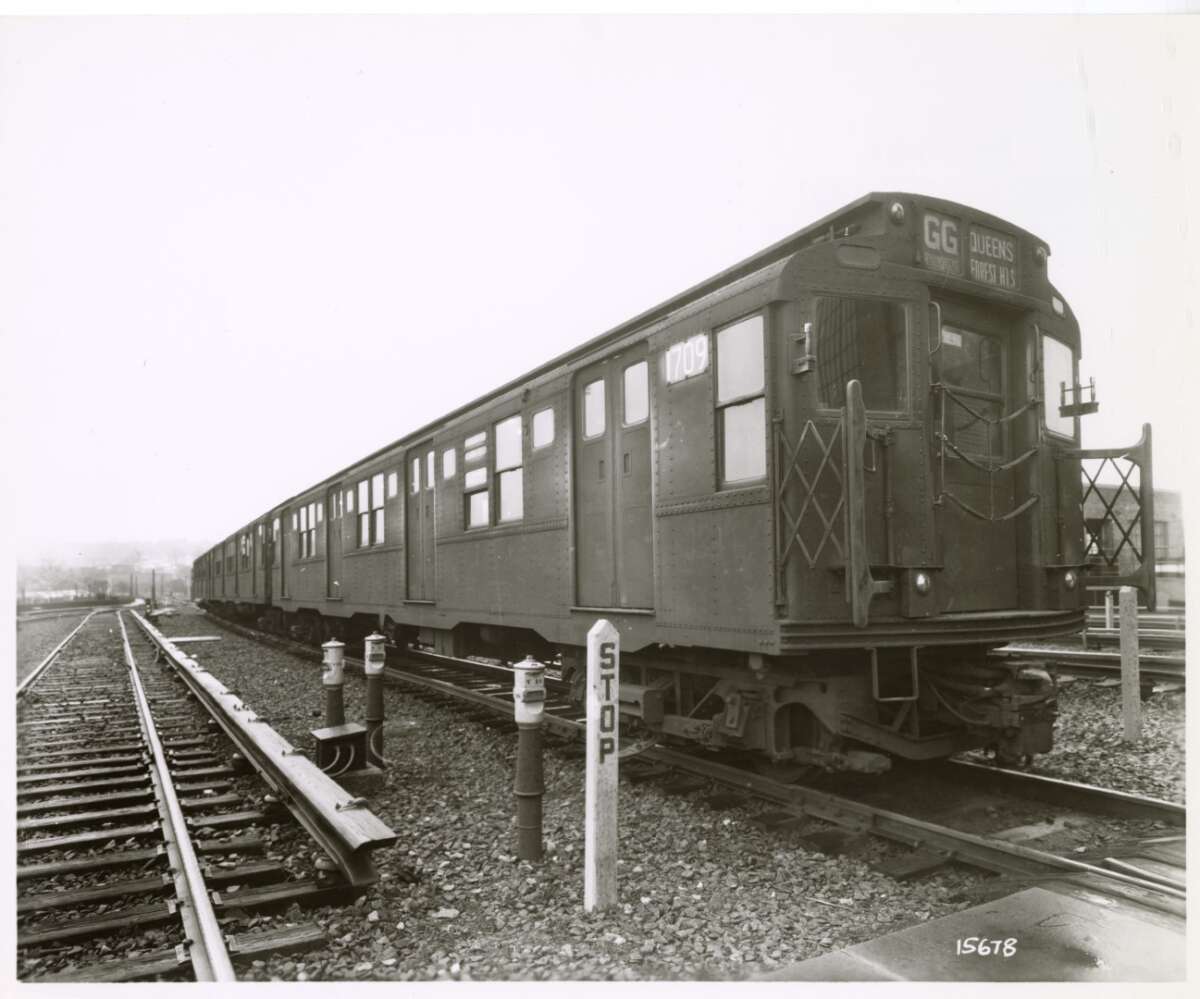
(241, 253)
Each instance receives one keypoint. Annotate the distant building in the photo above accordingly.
(1114, 537)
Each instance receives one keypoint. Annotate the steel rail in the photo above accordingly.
(1085, 797)
(207, 950)
(41, 668)
(339, 822)
(1165, 666)
(978, 850)
(1146, 636)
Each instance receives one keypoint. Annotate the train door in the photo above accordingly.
(270, 543)
(614, 557)
(333, 543)
(418, 519)
(281, 553)
(974, 394)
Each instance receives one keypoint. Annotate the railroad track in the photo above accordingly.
(1092, 662)
(24, 617)
(1152, 881)
(140, 835)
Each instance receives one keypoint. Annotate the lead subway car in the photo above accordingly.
(811, 492)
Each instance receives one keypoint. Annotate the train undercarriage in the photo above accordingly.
(835, 709)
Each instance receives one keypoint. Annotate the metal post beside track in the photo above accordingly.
(373, 662)
(1131, 694)
(332, 681)
(529, 698)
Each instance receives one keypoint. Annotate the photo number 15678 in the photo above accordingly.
(986, 948)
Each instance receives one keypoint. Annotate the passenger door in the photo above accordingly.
(613, 528)
(419, 522)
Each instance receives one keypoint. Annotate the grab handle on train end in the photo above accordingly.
(859, 585)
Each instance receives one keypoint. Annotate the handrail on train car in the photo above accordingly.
(337, 820)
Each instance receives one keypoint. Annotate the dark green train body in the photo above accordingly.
(812, 493)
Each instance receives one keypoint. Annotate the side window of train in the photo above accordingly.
(475, 481)
(509, 470)
(741, 401)
(865, 339)
(1058, 369)
(543, 428)
(371, 527)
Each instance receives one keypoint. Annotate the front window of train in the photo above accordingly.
(864, 339)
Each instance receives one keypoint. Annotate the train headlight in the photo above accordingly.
(1070, 580)
(1040, 255)
(896, 211)
(922, 583)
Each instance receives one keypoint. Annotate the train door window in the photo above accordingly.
(349, 500)
(741, 403)
(1058, 369)
(393, 481)
(320, 511)
(636, 394)
(414, 482)
(543, 428)
(429, 470)
(971, 364)
(593, 409)
(510, 483)
(275, 530)
(864, 339)
(449, 463)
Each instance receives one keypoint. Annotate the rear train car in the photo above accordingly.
(812, 493)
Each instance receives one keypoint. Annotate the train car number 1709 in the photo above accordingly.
(687, 358)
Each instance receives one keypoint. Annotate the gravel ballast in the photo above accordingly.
(1088, 745)
(703, 894)
(37, 638)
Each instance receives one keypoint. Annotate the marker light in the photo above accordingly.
(922, 583)
(1070, 579)
(1039, 256)
(1057, 304)
(896, 211)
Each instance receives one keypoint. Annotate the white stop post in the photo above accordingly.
(600, 798)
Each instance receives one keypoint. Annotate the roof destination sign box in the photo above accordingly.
(973, 251)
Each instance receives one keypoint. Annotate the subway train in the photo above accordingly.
(812, 493)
